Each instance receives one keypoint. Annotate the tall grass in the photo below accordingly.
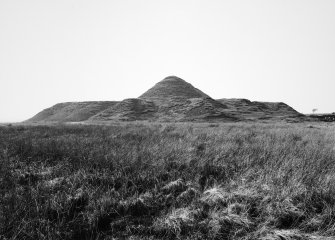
(149, 181)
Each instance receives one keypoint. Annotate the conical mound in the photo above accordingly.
(171, 99)
(173, 87)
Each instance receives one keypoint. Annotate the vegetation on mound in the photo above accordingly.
(203, 181)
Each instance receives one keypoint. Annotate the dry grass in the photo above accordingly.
(166, 181)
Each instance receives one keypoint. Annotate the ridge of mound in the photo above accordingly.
(193, 109)
(71, 111)
(174, 109)
(128, 109)
(172, 87)
(259, 110)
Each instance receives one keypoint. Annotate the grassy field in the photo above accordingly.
(168, 181)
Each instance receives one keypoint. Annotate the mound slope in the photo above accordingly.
(71, 111)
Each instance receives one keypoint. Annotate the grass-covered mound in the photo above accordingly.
(170, 100)
(202, 181)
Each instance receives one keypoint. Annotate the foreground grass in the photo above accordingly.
(159, 181)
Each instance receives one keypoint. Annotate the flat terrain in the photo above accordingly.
(269, 181)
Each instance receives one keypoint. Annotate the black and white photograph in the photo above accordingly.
(167, 119)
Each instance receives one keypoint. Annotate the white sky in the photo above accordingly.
(76, 50)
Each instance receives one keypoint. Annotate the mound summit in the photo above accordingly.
(172, 99)
(171, 87)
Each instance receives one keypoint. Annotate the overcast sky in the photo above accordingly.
(78, 50)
